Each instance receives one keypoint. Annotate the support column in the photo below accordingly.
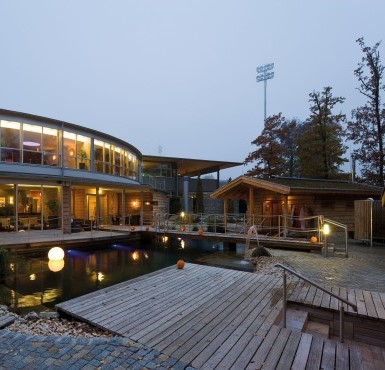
(285, 214)
(250, 205)
(185, 193)
(66, 208)
(141, 208)
(123, 219)
(225, 210)
(97, 208)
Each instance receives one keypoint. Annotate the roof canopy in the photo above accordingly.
(191, 167)
(239, 187)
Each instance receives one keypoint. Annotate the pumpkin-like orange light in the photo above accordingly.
(313, 239)
(200, 232)
(180, 264)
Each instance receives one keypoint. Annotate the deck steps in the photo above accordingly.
(317, 329)
(295, 319)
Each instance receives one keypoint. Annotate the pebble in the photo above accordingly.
(50, 324)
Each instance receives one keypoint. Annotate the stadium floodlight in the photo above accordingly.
(265, 73)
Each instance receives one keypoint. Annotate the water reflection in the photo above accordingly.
(31, 281)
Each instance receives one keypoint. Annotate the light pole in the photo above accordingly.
(264, 75)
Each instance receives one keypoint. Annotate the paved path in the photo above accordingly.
(21, 351)
(363, 269)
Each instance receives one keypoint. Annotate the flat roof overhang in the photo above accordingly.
(191, 167)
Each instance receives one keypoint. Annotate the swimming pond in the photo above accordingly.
(30, 283)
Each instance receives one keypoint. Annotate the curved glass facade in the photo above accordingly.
(45, 145)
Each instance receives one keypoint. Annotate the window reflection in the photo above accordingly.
(35, 144)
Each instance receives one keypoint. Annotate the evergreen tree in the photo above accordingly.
(320, 147)
(367, 128)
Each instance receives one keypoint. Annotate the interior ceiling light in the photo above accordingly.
(30, 143)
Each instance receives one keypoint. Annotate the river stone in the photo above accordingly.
(260, 252)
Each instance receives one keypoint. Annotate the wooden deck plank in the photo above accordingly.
(297, 289)
(197, 343)
(210, 317)
(310, 295)
(355, 359)
(90, 297)
(276, 351)
(328, 355)
(263, 350)
(169, 331)
(325, 302)
(382, 296)
(369, 304)
(172, 329)
(251, 309)
(184, 339)
(317, 298)
(303, 351)
(252, 328)
(315, 354)
(342, 357)
(288, 353)
(380, 309)
(245, 342)
(334, 303)
(134, 293)
(210, 277)
(361, 308)
(173, 302)
(344, 295)
(352, 298)
(302, 295)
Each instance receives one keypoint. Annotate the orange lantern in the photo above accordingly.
(132, 228)
(200, 232)
(180, 264)
(182, 228)
(313, 239)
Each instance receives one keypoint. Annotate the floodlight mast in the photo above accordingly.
(264, 75)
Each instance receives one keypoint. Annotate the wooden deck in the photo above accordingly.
(211, 318)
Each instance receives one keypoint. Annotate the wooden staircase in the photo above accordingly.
(297, 319)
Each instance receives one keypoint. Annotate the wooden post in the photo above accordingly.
(250, 208)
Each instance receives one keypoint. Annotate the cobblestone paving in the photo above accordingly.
(21, 351)
(363, 269)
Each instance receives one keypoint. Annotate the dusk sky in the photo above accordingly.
(181, 75)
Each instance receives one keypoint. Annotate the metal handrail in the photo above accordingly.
(342, 226)
(285, 268)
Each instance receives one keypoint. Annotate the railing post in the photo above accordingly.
(284, 298)
(341, 322)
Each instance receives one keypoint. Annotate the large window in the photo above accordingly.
(51, 155)
(10, 141)
(39, 145)
(32, 148)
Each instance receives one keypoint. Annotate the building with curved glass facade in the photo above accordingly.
(54, 172)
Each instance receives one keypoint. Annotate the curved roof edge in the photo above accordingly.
(72, 126)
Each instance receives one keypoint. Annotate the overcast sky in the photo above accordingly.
(181, 75)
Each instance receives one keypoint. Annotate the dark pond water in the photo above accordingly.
(28, 284)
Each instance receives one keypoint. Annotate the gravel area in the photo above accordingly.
(50, 324)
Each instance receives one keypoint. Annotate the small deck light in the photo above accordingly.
(326, 229)
(55, 254)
